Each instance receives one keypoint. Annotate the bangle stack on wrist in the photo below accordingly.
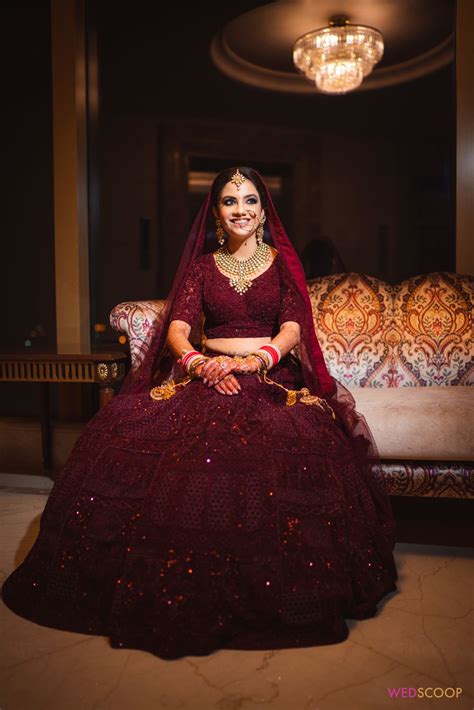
(190, 360)
(268, 356)
(263, 367)
(271, 354)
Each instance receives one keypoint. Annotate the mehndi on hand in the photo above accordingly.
(249, 364)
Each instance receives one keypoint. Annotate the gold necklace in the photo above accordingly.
(239, 270)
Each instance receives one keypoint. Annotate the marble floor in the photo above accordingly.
(421, 638)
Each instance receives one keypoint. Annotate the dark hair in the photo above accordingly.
(221, 180)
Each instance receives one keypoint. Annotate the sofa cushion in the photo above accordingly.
(431, 423)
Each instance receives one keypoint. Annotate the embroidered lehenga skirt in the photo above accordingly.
(207, 521)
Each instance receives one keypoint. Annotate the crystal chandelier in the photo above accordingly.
(339, 56)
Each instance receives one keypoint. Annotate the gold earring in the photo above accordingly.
(220, 232)
(260, 231)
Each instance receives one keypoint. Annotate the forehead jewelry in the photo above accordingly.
(237, 178)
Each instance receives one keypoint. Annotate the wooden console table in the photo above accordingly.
(106, 369)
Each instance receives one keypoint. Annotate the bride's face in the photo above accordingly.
(240, 210)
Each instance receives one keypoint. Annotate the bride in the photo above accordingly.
(225, 497)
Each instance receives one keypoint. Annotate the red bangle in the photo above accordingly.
(272, 351)
(183, 360)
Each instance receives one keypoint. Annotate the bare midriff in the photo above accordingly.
(236, 346)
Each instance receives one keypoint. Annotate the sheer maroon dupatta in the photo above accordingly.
(158, 361)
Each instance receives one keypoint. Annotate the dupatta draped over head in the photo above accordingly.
(158, 362)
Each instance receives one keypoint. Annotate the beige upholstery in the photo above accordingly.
(426, 423)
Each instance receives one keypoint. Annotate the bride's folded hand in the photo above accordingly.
(228, 385)
(217, 373)
(214, 369)
(247, 365)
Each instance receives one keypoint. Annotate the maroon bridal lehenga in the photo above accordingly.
(204, 521)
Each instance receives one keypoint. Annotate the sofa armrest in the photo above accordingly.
(136, 319)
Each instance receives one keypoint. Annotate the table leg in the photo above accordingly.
(106, 393)
(46, 448)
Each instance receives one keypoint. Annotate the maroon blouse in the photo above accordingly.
(259, 312)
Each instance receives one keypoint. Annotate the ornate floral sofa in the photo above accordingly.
(406, 353)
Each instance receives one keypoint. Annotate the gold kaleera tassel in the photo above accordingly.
(168, 389)
(305, 396)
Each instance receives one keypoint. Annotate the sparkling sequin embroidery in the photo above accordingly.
(184, 524)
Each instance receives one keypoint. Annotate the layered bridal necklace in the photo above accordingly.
(240, 270)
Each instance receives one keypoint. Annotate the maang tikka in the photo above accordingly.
(237, 178)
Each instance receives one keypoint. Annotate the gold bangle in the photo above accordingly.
(194, 365)
(263, 363)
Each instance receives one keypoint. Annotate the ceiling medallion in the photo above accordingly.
(338, 57)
